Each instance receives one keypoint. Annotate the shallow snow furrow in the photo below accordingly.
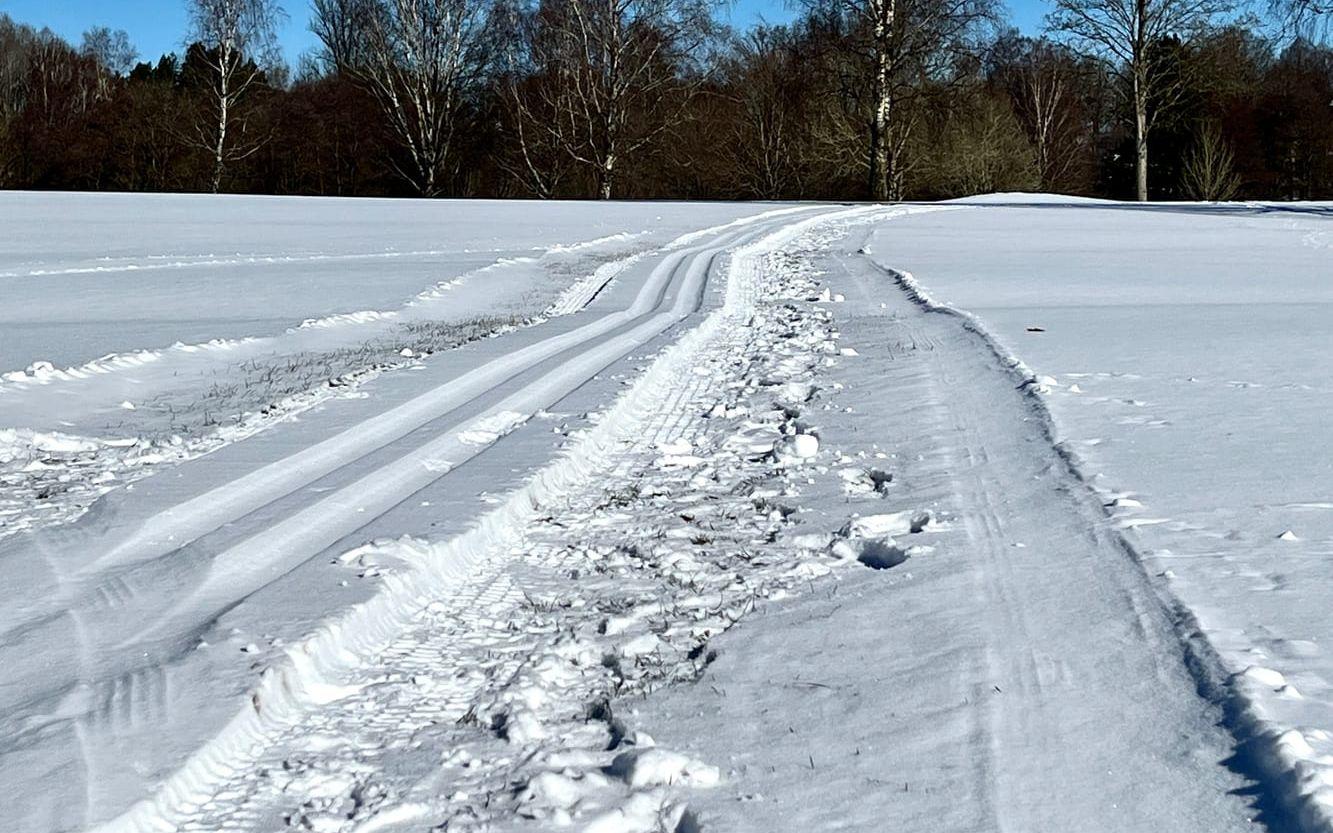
(1297, 780)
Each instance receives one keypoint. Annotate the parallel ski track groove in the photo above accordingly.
(668, 282)
(642, 323)
(436, 644)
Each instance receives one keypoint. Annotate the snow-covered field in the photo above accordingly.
(640, 517)
(115, 273)
(140, 329)
(1185, 355)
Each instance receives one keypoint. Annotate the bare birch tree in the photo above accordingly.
(1131, 35)
(340, 26)
(774, 97)
(112, 55)
(533, 99)
(1303, 18)
(620, 74)
(239, 40)
(111, 49)
(15, 45)
(899, 44)
(1046, 83)
(1210, 170)
(422, 61)
(536, 157)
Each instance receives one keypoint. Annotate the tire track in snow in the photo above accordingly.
(452, 651)
(1271, 755)
(1016, 673)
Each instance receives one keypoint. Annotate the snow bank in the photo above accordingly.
(1026, 198)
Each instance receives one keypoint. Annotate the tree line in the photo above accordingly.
(854, 99)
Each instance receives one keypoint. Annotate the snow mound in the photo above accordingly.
(1026, 198)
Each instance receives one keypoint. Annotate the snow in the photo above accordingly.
(669, 517)
(1025, 198)
(308, 300)
(343, 465)
(1183, 354)
(192, 268)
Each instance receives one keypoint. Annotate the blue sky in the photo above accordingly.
(158, 26)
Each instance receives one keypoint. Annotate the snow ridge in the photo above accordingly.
(585, 290)
(306, 678)
(42, 372)
(1279, 756)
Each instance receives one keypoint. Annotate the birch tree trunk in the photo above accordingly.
(1142, 78)
(1141, 145)
(606, 177)
(224, 114)
(881, 122)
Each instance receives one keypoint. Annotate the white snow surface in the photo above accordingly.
(210, 319)
(86, 275)
(649, 517)
(138, 626)
(1183, 352)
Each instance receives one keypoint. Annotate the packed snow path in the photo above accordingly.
(941, 628)
(1020, 675)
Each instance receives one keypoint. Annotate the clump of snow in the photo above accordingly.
(652, 767)
(487, 429)
(796, 448)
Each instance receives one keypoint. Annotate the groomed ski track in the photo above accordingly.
(232, 539)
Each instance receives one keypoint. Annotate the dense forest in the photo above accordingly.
(855, 99)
